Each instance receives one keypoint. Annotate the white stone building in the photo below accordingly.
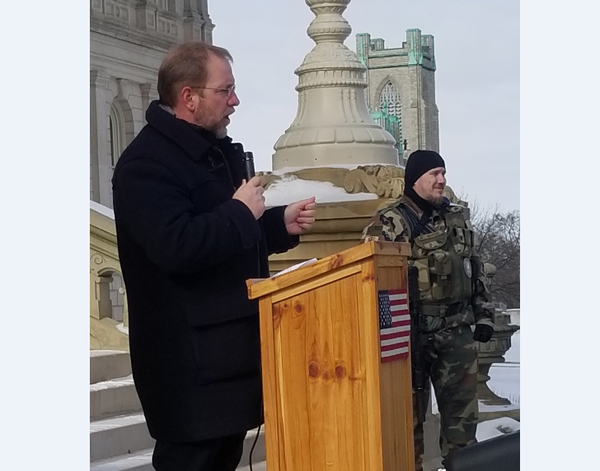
(128, 40)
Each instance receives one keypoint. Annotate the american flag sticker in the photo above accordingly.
(394, 324)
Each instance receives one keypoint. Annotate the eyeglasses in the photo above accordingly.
(225, 91)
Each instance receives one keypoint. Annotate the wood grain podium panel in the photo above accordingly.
(330, 404)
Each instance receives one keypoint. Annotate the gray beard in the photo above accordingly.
(221, 133)
(435, 202)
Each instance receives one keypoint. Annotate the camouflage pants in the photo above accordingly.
(451, 360)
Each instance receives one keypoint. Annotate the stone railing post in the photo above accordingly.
(493, 352)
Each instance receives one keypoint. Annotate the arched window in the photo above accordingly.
(390, 100)
(112, 296)
(116, 134)
(390, 104)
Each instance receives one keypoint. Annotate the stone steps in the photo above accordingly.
(138, 461)
(259, 453)
(119, 437)
(260, 466)
(113, 397)
(141, 460)
(108, 364)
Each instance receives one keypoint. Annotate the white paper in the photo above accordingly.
(295, 267)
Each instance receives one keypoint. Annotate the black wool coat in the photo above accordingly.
(186, 248)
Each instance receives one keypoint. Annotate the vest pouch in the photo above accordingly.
(439, 293)
(457, 216)
(461, 234)
(462, 278)
(462, 240)
(428, 242)
(440, 263)
(423, 271)
(440, 266)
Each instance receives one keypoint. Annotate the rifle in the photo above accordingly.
(420, 378)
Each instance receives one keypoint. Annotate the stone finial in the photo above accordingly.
(333, 125)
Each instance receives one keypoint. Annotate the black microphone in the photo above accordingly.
(249, 164)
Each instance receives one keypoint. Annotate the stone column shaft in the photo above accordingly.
(99, 140)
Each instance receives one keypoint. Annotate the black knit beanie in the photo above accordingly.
(419, 162)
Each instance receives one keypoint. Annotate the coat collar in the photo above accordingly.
(179, 131)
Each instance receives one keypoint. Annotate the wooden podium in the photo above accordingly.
(337, 393)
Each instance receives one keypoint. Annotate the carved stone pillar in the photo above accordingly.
(333, 124)
(100, 304)
(197, 25)
(123, 292)
(208, 26)
(100, 170)
(146, 15)
(493, 352)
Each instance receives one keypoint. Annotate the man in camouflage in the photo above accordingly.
(452, 293)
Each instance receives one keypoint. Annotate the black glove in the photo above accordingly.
(483, 333)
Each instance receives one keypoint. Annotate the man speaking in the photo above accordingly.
(191, 228)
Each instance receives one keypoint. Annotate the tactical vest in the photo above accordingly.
(443, 259)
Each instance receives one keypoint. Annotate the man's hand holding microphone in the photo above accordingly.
(251, 193)
(298, 216)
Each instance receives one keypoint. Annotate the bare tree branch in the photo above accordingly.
(499, 243)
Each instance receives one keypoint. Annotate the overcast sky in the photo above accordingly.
(477, 78)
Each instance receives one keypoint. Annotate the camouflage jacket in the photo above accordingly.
(452, 286)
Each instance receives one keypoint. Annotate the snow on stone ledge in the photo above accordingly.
(123, 328)
(102, 209)
(291, 188)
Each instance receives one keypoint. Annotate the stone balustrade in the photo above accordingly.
(108, 306)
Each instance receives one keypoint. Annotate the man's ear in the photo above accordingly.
(188, 98)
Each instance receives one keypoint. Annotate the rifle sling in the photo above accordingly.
(415, 227)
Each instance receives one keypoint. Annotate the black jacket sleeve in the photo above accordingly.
(278, 239)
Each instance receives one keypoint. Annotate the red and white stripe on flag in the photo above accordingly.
(394, 324)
